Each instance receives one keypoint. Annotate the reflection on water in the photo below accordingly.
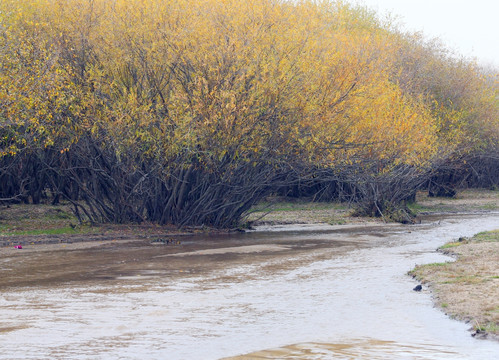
(338, 293)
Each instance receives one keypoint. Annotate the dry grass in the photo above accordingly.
(468, 289)
(296, 211)
(292, 211)
(471, 200)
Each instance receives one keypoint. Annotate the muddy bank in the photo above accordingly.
(468, 288)
(108, 259)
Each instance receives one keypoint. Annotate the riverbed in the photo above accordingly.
(288, 292)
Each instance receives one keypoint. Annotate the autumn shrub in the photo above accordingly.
(189, 112)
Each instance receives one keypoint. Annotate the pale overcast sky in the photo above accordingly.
(470, 27)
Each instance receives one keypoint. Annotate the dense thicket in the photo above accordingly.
(189, 112)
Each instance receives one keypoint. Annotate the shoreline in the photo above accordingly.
(36, 225)
(127, 233)
(467, 287)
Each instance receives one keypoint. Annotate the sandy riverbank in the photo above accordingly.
(468, 288)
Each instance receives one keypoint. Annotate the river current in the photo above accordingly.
(289, 292)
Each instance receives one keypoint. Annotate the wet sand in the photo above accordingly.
(357, 349)
(64, 263)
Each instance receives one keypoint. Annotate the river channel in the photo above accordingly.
(288, 292)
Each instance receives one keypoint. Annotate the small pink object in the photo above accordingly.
(18, 247)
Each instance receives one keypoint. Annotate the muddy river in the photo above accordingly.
(289, 292)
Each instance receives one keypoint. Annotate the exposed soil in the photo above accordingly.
(468, 288)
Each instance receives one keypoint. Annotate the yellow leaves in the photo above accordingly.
(377, 121)
(322, 80)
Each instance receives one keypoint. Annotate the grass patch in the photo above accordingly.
(417, 208)
(58, 231)
(5, 231)
(288, 211)
(283, 206)
(58, 214)
(420, 272)
(492, 236)
(465, 280)
(436, 264)
(337, 222)
(490, 206)
(42, 219)
(486, 236)
(488, 327)
(450, 245)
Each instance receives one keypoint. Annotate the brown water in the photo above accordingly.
(278, 293)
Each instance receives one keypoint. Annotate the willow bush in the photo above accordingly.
(190, 112)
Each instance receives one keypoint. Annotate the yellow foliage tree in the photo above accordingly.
(204, 96)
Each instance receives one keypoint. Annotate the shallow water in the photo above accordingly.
(296, 293)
